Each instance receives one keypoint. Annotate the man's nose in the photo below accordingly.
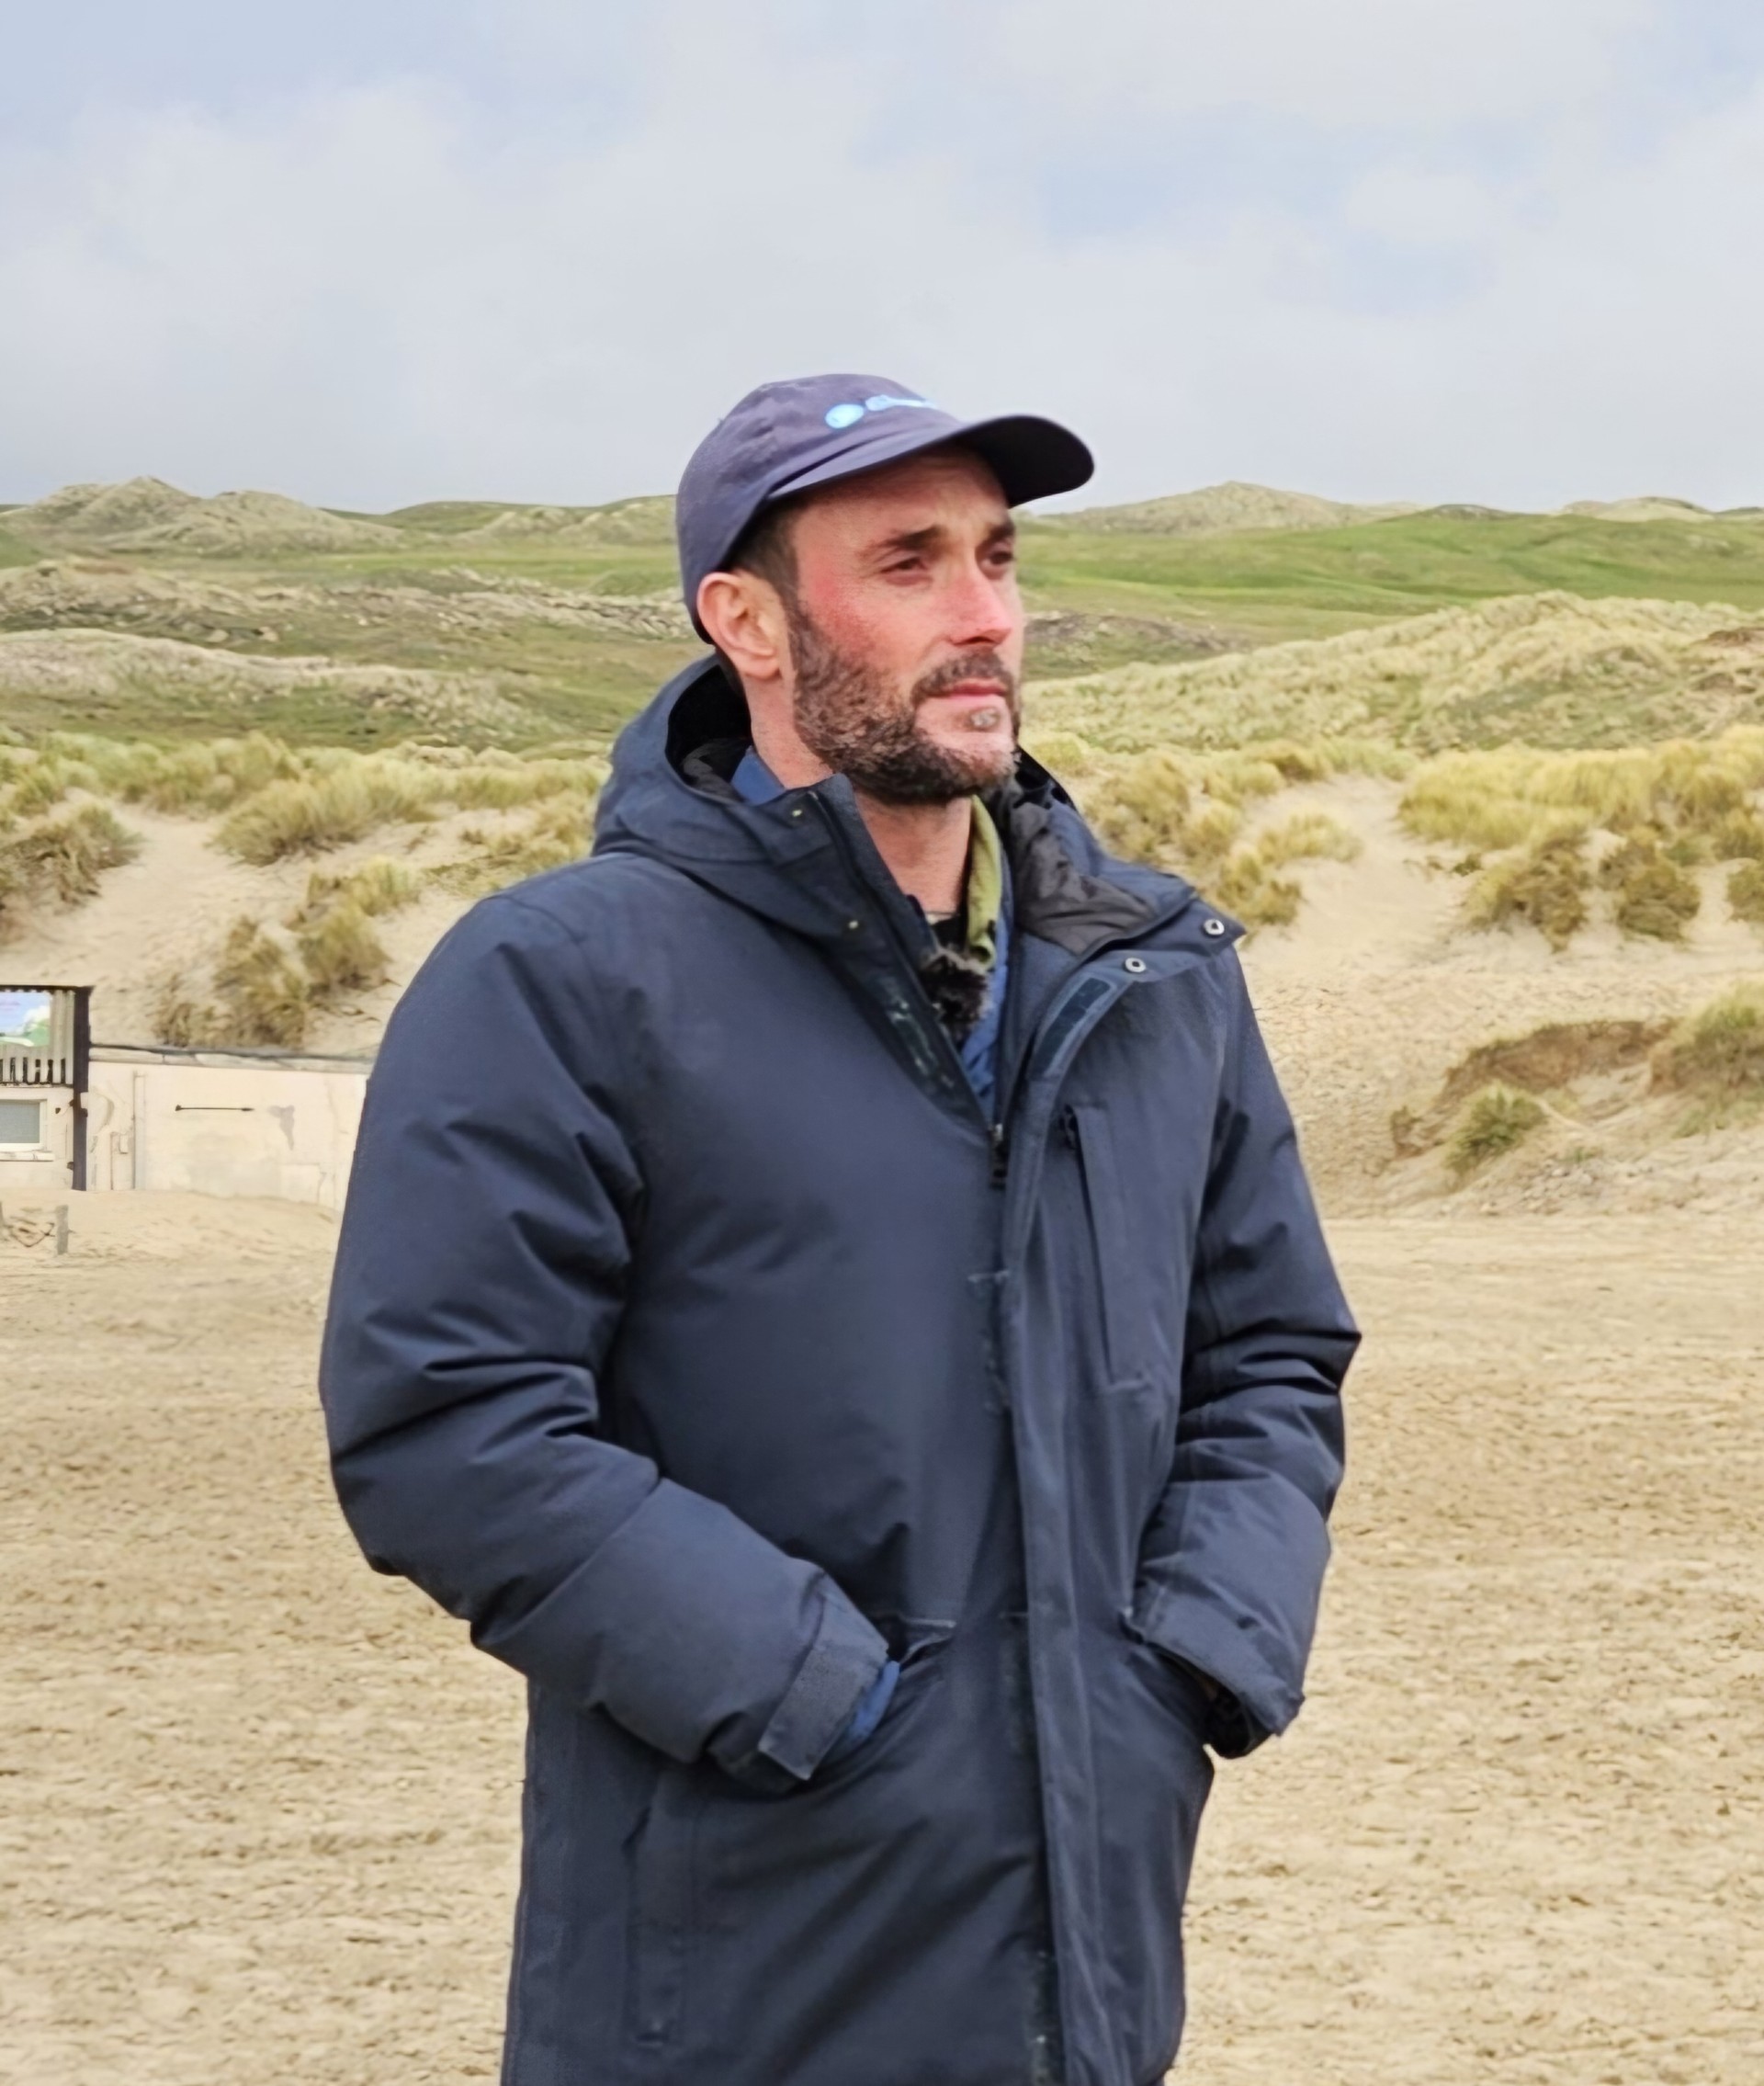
(981, 612)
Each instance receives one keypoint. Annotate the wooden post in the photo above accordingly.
(61, 1227)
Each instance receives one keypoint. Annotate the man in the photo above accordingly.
(830, 1295)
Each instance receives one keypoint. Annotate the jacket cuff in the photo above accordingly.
(843, 1663)
(1256, 1702)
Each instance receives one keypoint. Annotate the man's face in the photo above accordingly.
(906, 629)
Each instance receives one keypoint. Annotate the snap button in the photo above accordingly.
(796, 811)
(851, 927)
(1134, 964)
(1212, 927)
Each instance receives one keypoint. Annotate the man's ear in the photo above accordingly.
(747, 623)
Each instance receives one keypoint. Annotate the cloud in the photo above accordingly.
(1387, 65)
(1381, 248)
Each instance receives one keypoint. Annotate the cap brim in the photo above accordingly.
(1031, 458)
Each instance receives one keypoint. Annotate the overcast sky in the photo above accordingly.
(383, 251)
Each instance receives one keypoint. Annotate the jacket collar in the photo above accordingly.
(669, 797)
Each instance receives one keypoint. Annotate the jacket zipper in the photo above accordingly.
(932, 1031)
(931, 1034)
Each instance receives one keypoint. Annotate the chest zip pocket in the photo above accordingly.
(1118, 1249)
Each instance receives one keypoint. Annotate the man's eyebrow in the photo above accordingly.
(908, 540)
(1005, 531)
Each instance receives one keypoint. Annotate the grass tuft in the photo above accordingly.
(1498, 1121)
(1545, 887)
(556, 837)
(1656, 898)
(376, 887)
(261, 997)
(1717, 1054)
(341, 953)
(65, 857)
(306, 814)
(1745, 893)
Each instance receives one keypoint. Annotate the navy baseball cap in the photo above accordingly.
(786, 438)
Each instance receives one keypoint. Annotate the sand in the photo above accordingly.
(259, 1809)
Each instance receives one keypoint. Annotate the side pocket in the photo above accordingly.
(1120, 1271)
(662, 1854)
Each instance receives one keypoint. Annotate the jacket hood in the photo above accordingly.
(669, 797)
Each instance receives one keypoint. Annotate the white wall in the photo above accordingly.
(279, 1131)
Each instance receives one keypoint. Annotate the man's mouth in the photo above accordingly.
(980, 706)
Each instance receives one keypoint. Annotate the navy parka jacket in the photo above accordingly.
(696, 1339)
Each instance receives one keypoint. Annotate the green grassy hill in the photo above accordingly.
(1273, 585)
(141, 610)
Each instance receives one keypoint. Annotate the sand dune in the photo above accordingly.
(1225, 510)
(1369, 998)
(145, 514)
(1543, 669)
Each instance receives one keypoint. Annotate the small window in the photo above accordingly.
(21, 1123)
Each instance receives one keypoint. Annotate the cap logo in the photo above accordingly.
(851, 413)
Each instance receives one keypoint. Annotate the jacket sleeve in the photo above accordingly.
(1231, 1567)
(483, 1260)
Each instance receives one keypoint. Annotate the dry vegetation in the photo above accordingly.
(49, 852)
(274, 803)
(1649, 1080)
(1549, 669)
(1716, 1059)
(267, 982)
(1634, 823)
(276, 800)
(1498, 1121)
(1197, 813)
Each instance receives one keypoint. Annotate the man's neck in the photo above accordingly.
(924, 846)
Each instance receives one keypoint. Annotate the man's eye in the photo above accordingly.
(906, 565)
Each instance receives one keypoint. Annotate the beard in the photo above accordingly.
(848, 716)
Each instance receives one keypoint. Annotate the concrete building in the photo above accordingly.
(118, 1117)
(223, 1123)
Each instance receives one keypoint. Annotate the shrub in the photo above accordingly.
(1063, 753)
(1143, 812)
(1745, 893)
(1239, 779)
(1308, 837)
(376, 887)
(306, 814)
(1738, 837)
(67, 856)
(262, 992)
(1249, 888)
(36, 789)
(1718, 1053)
(557, 836)
(338, 795)
(1297, 761)
(198, 780)
(1656, 898)
(1498, 1121)
(1247, 881)
(261, 997)
(342, 952)
(1546, 888)
(178, 1018)
(1518, 796)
